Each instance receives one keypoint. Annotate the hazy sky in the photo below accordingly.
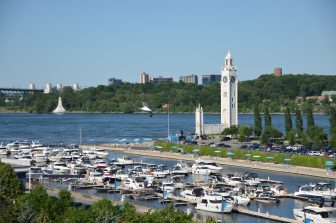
(68, 41)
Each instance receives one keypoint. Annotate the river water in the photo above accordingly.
(105, 128)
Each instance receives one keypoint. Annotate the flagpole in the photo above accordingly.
(168, 122)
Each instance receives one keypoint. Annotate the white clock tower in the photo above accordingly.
(229, 93)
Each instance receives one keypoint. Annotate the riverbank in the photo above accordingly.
(268, 166)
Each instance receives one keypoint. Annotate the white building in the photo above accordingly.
(229, 93)
(144, 78)
(48, 88)
(229, 102)
(75, 87)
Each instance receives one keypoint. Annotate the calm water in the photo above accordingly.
(103, 128)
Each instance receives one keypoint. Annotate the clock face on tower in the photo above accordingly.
(225, 79)
(232, 79)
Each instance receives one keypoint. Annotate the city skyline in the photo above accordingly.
(89, 42)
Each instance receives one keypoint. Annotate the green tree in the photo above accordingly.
(298, 122)
(310, 117)
(257, 121)
(291, 136)
(332, 121)
(10, 185)
(317, 136)
(268, 119)
(288, 120)
(245, 132)
(270, 133)
(233, 130)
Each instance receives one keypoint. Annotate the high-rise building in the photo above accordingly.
(190, 79)
(75, 87)
(210, 79)
(48, 88)
(144, 78)
(160, 79)
(59, 87)
(278, 71)
(32, 87)
(229, 93)
(114, 81)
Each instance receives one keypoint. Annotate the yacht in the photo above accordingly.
(101, 153)
(125, 160)
(240, 199)
(315, 214)
(201, 170)
(136, 183)
(3, 150)
(211, 165)
(168, 186)
(184, 166)
(235, 181)
(278, 189)
(178, 171)
(193, 194)
(213, 205)
(121, 175)
(266, 198)
(59, 167)
(324, 190)
(161, 171)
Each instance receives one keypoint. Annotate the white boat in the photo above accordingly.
(235, 181)
(193, 194)
(240, 199)
(212, 205)
(178, 171)
(211, 165)
(161, 171)
(324, 190)
(101, 164)
(266, 198)
(201, 170)
(315, 214)
(278, 189)
(121, 175)
(168, 186)
(3, 150)
(136, 183)
(125, 160)
(36, 144)
(96, 176)
(184, 166)
(101, 153)
(59, 167)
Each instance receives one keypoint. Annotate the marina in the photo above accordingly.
(141, 177)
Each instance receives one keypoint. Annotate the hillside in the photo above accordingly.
(126, 97)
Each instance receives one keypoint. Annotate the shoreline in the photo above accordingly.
(281, 168)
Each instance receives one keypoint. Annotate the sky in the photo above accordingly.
(87, 42)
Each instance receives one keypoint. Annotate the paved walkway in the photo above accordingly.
(308, 171)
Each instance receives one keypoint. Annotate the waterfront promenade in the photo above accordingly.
(283, 168)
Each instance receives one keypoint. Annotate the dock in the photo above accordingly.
(264, 215)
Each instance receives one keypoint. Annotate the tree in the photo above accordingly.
(317, 136)
(288, 120)
(270, 133)
(233, 130)
(10, 185)
(291, 137)
(257, 121)
(298, 122)
(332, 121)
(244, 133)
(268, 119)
(310, 117)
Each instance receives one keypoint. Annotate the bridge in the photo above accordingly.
(17, 92)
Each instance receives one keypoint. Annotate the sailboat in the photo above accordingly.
(59, 109)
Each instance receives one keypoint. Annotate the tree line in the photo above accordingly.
(311, 137)
(279, 92)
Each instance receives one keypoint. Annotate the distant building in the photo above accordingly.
(114, 81)
(278, 71)
(211, 78)
(144, 78)
(48, 89)
(32, 87)
(190, 79)
(75, 87)
(59, 87)
(328, 93)
(160, 79)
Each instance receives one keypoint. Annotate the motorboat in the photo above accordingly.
(96, 176)
(36, 144)
(315, 214)
(278, 189)
(136, 183)
(90, 154)
(319, 190)
(212, 205)
(193, 194)
(125, 160)
(235, 181)
(211, 165)
(184, 166)
(168, 186)
(59, 167)
(121, 175)
(101, 164)
(161, 171)
(3, 150)
(201, 170)
(101, 153)
(178, 171)
(266, 198)
(240, 199)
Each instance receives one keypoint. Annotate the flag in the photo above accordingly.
(165, 194)
(165, 105)
(116, 184)
(223, 204)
